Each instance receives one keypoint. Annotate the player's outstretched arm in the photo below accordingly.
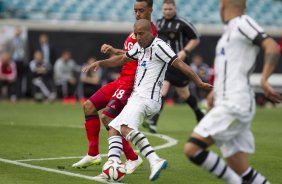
(271, 59)
(108, 49)
(111, 62)
(184, 68)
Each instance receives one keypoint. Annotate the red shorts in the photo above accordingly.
(112, 96)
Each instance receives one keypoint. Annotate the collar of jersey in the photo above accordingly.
(150, 43)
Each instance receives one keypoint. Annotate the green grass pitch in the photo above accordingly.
(31, 131)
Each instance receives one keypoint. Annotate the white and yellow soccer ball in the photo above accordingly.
(114, 170)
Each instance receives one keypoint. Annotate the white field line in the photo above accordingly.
(53, 170)
(169, 143)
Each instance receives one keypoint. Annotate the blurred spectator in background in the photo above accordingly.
(42, 83)
(17, 49)
(65, 79)
(46, 49)
(91, 81)
(8, 76)
(201, 69)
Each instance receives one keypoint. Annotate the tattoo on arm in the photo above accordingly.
(271, 58)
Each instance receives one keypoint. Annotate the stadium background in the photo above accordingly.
(83, 26)
(30, 130)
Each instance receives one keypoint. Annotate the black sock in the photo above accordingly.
(192, 102)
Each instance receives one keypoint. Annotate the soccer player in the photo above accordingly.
(114, 96)
(228, 123)
(183, 38)
(153, 56)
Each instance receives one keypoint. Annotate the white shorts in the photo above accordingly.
(229, 128)
(134, 113)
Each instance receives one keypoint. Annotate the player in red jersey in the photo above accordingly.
(113, 97)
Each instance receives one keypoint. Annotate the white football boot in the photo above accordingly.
(131, 165)
(88, 161)
(101, 177)
(156, 169)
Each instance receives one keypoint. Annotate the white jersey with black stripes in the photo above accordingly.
(236, 54)
(152, 65)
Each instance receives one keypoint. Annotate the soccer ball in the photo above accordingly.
(114, 170)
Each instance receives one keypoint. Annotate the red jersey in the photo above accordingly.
(8, 71)
(128, 70)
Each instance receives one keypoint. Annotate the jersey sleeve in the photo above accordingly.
(165, 53)
(134, 52)
(189, 30)
(252, 30)
(154, 29)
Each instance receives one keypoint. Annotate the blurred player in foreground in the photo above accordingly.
(228, 123)
(153, 56)
(113, 98)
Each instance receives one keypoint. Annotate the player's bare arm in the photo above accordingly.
(271, 59)
(108, 49)
(111, 62)
(184, 68)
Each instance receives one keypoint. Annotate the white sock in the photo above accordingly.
(115, 147)
(139, 140)
(214, 164)
(251, 176)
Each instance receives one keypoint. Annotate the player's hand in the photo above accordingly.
(95, 65)
(182, 55)
(271, 93)
(205, 86)
(107, 49)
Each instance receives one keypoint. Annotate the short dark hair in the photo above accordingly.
(169, 2)
(149, 2)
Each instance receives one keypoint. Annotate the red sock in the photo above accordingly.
(92, 127)
(128, 151)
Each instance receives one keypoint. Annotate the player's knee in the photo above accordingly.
(125, 130)
(183, 95)
(190, 149)
(193, 147)
(89, 108)
(106, 120)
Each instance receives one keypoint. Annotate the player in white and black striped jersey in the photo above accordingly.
(153, 55)
(228, 123)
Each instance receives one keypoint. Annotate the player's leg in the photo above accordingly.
(219, 126)
(114, 107)
(239, 163)
(244, 142)
(140, 140)
(92, 124)
(115, 147)
(184, 94)
(151, 123)
(131, 117)
(195, 150)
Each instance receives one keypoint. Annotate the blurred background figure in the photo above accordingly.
(65, 70)
(90, 82)
(17, 49)
(46, 49)
(41, 81)
(8, 76)
(201, 69)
